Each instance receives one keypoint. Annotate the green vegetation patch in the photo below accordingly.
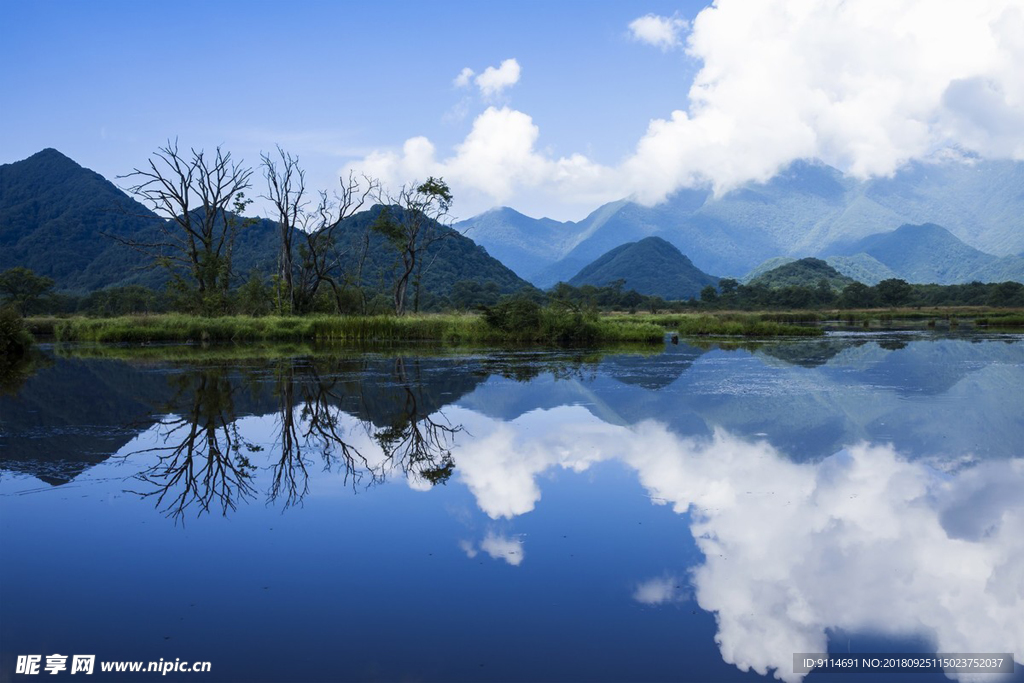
(548, 326)
(730, 325)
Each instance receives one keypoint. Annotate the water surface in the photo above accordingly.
(687, 513)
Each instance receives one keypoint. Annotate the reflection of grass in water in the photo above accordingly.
(753, 321)
(447, 328)
(226, 351)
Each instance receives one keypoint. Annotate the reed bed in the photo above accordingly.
(446, 328)
(729, 325)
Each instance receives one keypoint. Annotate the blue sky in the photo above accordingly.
(596, 113)
(107, 82)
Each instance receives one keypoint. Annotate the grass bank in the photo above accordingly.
(730, 325)
(446, 328)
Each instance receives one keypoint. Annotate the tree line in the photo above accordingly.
(32, 294)
(891, 293)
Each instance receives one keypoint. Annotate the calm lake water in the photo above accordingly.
(686, 513)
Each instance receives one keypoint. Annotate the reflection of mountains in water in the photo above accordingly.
(74, 414)
(78, 412)
(927, 395)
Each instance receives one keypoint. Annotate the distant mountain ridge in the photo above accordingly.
(650, 266)
(808, 209)
(923, 253)
(920, 254)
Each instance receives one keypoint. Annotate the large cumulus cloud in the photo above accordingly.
(864, 86)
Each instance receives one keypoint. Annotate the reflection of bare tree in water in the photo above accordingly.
(415, 441)
(318, 429)
(200, 462)
(203, 463)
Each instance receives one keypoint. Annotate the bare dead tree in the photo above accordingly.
(320, 256)
(199, 198)
(310, 421)
(286, 189)
(413, 221)
(200, 463)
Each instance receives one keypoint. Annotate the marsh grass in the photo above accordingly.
(444, 328)
(1013, 319)
(729, 325)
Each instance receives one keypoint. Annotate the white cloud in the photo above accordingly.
(493, 81)
(862, 541)
(462, 80)
(498, 159)
(498, 547)
(503, 548)
(661, 32)
(863, 86)
(659, 590)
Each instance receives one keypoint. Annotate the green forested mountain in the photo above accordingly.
(925, 253)
(863, 268)
(57, 218)
(806, 272)
(860, 267)
(651, 266)
(449, 261)
(761, 269)
(53, 215)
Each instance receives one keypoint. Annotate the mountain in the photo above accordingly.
(806, 209)
(453, 259)
(57, 218)
(651, 266)
(522, 243)
(916, 253)
(1002, 270)
(862, 268)
(761, 269)
(807, 272)
(925, 253)
(53, 215)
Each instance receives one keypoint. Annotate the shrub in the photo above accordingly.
(15, 340)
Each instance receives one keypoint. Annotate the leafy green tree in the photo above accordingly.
(857, 295)
(23, 289)
(709, 294)
(1006, 294)
(412, 222)
(631, 300)
(15, 340)
(255, 297)
(893, 292)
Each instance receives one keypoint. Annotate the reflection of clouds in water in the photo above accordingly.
(501, 464)
(862, 540)
(499, 547)
(660, 590)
